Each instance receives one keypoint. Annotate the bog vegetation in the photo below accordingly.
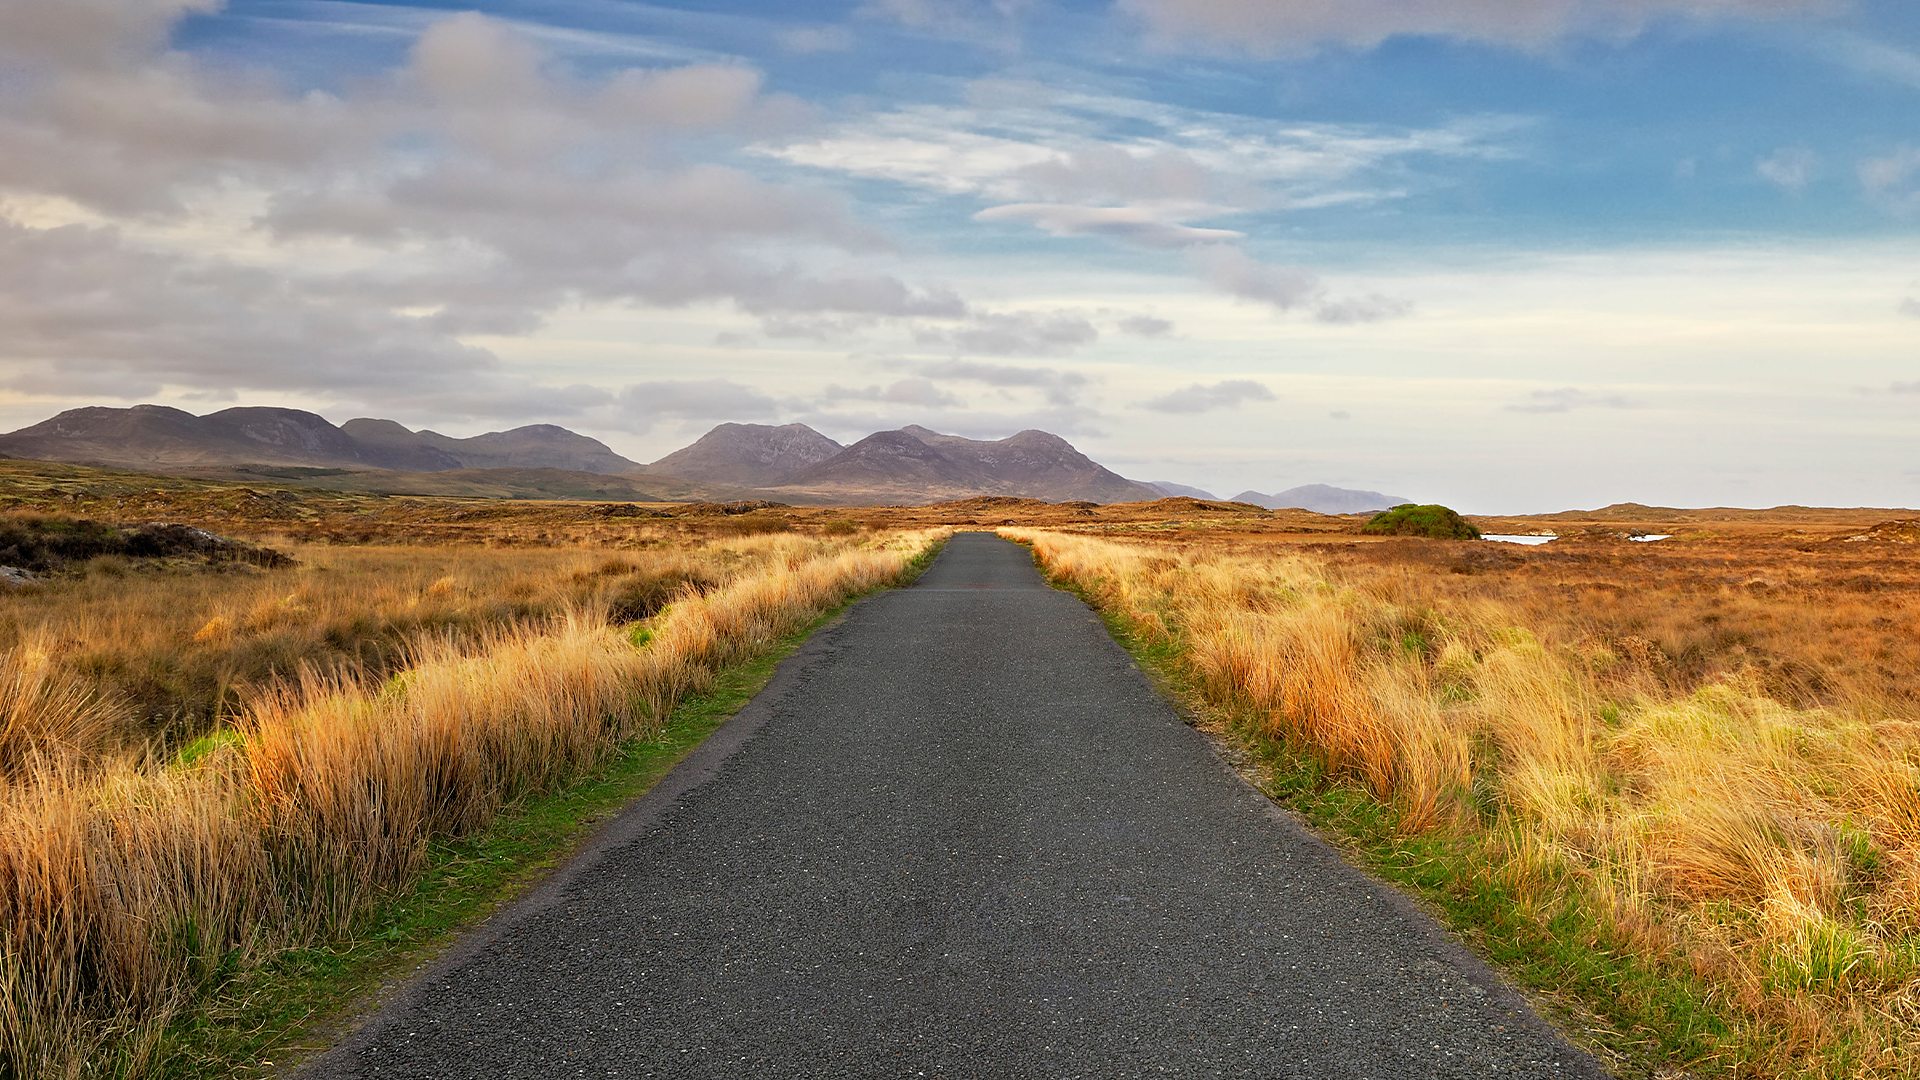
(206, 763)
(1674, 785)
(1712, 852)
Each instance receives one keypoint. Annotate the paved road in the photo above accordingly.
(958, 836)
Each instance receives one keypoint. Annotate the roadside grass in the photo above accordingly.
(262, 1021)
(244, 869)
(1531, 913)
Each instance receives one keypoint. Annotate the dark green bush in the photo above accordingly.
(1433, 522)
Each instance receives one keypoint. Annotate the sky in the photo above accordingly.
(1511, 255)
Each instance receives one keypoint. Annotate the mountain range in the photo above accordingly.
(791, 462)
(156, 437)
(911, 464)
(1323, 499)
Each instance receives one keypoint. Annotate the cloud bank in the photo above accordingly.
(1266, 26)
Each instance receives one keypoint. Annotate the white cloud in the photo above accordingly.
(1131, 224)
(1790, 168)
(1061, 388)
(93, 34)
(1018, 142)
(1146, 326)
(79, 301)
(1238, 274)
(1872, 57)
(700, 399)
(1266, 26)
(1014, 333)
(920, 392)
(1569, 398)
(1139, 172)
(1910, 307)
(1352, 310)
(1893, 180)
(1199, 398)
(476, 188)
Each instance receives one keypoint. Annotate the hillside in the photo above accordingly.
(750, 455)
(916, 464)
(159, 438)
(1323, 499)
(1179, 491)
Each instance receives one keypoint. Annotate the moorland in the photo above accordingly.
(1673, 787)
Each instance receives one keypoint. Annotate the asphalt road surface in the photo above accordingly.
(959, 835)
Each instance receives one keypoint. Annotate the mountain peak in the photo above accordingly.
(752, 455)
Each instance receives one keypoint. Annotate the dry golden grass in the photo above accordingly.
(1708, 742)
(130, 879)
(1769, 847)
(170, 650)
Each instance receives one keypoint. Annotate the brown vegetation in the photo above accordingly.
(1710, 748)
(199, 769)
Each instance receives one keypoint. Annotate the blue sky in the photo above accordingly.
(1513, 255)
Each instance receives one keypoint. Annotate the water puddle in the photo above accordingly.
(1507, 538)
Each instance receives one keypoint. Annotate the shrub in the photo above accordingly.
(1433, 522)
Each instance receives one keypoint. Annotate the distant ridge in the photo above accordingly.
(1173, 490)
(157, 437)
(792, 462)
(1323, 499)
(535, 446)
(917, 464)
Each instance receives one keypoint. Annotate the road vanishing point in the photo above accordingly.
(959, 835)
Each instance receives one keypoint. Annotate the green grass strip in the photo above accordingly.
(263, 1019)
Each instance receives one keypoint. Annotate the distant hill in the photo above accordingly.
(536, 446)
(1173, 490)
(916, 464)
(1323, 499)
(162, 438)
(750, 455)
(792, 462)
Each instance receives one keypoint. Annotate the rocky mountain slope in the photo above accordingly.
(750, 455)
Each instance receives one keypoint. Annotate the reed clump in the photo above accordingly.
(131, 882)
(1767, 850)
